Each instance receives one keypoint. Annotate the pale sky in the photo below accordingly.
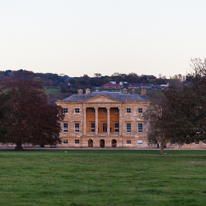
(77, 37)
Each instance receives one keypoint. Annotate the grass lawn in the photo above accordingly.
(53, 91)
(102, 177)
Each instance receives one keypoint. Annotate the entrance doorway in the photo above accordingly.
(90, 143)
(114, 143)
(102, 143)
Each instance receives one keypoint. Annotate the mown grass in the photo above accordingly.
(102, 177)
(53, 91)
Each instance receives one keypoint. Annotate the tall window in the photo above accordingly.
(65, 110)
(128, 110)
(92, 127)
(104, 127)
(140, 127)
(65, 127)
(140, 110)
(116, 127)
(76, 127)
(128, 127)
(76, 110)
(92, 110)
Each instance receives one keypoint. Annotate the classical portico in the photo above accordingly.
(107, 120)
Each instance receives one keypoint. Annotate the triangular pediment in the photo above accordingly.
(102, 99)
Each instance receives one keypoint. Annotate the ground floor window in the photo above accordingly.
(92, 127)
(128, 127)
(104, 127)
(140, 142)
(65, 141)
(140, 127)
(116, 127)
(129, 141)
(76, 127)
(76, 141)
(65, 127)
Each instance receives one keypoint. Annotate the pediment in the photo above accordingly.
(102, 99)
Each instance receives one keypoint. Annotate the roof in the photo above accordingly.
(115, 95)
(111, 84)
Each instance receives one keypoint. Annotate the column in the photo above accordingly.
(96, 120)
(108, 121)
(120, 124)
(120, 121)
(84, 120)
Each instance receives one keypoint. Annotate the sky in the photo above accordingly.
(77, 37)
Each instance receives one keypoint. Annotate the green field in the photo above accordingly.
(53, 91)
(102, 177)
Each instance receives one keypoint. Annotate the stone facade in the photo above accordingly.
(108, 119)
(104, 119)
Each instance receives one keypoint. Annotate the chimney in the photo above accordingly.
(80, 91)
(87, 91)
(133, 91)
(124, 91)
(144, 92)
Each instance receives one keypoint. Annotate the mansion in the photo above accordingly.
(104, 119)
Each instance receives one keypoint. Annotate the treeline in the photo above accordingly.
(70, 85)
(178, 116)
(50, 79)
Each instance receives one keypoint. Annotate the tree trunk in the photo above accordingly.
(162, 147)
(18, 147)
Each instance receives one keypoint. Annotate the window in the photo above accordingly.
(104, 127)
(140, 142)
(128, 110)
(116, 127)
(76, 110)
(92, 127)
(128, 127)
(65, 110)
(129, 141)
(139, 110)
(76, 127)
(65, 127)
(104, 110)
(65, 141)
(76, 141)
(116, 110)
(92, 111)
(140, 127)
